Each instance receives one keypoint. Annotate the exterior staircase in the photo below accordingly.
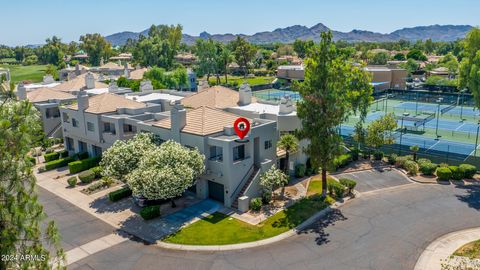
(56, 129)
(245, 186)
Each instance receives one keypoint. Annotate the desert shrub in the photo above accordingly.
(443, 165)
(335, 188)
(266, 197)
(299, 170)
(457, 173)
(97, 171)
(72, 181)
(256, 204)
(51, 156)
(86, 177)
(468, 170)
(378, 155)
(119, 194)
(444, 173)
(104, 183)
(420, 161)
(150, 212)
(408, 157)
(400, 162)
(348, 183)
(428, 168)
(411, 166)
(392, 159)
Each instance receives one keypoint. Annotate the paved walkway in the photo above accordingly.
(93, 247)
(443, 247)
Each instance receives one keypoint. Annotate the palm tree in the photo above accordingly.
(226, 57)
(414, 149)
(288, 143)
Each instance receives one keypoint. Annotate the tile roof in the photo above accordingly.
(137, 74)
(108, 102)
(45, 94)
(203, 121)
(216, 97)
(78, 83)
(112, 65)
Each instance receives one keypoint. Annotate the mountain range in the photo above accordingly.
(290, 33)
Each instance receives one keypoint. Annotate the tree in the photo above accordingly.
(96, 46)
(470, 65)
(429, 46)
(224, 59)
(206, 52)
(272, 179)
(333, 89)
(380, 58)
(301, 47)
(399, 57)
(21, 215)
(416, 54)
(52, 52)
(288, 143)
(359, 134)
(379, 131)
(244, 53)
(52, 70)
(411, 66)
(124, 156)
(166, 171)
(414, 149)
(449, 61)
(285, 49)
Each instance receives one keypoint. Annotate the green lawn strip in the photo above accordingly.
(220, 229)
(32, 73)
(471, 250)
(240, 80)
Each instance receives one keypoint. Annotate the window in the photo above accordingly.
(66, 119)
(128, 128)
(54, 112)
(69, 142)
(216, 153)
(108, 127)
(90, 126)
(74, 122)
(97, 151)
(239, 152)
(268, 144)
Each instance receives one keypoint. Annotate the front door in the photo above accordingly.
(215, 191)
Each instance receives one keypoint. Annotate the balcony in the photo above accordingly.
(109, 137)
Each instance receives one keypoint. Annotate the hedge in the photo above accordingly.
(468, 170)
(300, 170)
(86, 177)
(256, 204)
(150, 212)
(63, 153)
(457, 174)
(444, 173)
(51, 156)
(58, 163)
(82, 155)
(82, 165)
(428, 168)
(119, 194)
(72, 181)
(348, 183)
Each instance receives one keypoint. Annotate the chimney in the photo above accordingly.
(245, 94)
(146, 85)
(21, 91)
(112, 87)
(286, 105)
(178, 119)
(77, 69)
(48, 79)
(82, 100)
(89, 81)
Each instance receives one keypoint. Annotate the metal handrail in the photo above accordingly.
(243, 182)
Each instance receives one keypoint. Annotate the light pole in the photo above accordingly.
(416, 103)
(476, 140)
(386, 101)
(461, 105)
(438, 117)
(401, 133)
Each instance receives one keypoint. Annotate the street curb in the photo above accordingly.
(262, 242)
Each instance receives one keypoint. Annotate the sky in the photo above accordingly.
(25, 22)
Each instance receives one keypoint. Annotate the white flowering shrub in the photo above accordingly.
(123, 156)
(166, 171)
(273, 178)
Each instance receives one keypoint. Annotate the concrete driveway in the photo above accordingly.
(376, 179)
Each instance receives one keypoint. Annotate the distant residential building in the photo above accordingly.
(291, 72)
(186, 59)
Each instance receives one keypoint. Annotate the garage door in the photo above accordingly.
(215, 191)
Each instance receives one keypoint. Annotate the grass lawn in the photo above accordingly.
(315, 185)
(239, 79)
(220, 229)
(471, 250)
(32, 73)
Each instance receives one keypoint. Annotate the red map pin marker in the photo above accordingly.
(242, 127)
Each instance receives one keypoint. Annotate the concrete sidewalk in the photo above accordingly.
(440, 249)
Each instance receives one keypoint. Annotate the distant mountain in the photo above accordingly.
(290, 33)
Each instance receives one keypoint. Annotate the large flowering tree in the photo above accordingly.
(123, 156)
(273, 178)
(166, 171)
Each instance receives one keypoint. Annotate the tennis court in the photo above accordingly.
(412, 106)
(452, 125)
(275, 94)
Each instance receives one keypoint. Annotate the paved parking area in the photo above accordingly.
(376, 179)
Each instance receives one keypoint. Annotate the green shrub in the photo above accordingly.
(355, 154)
(58, 163)
(86, 177)
(340, 162)
(104, 183)
(82, 165)
(256, 204)
(119, 194)
(150, 212)
(335, 188)
(63, 153)
(378, 155)
(428, 168)
(72, 181)
(408, 157)
(299, 170)
(421, 161)
(444, 173)
(348, 183)
(468, 170)
(457, 174)
(81, 155)
(400, 162)
(97, 170)
(443, 164)
(51, 156)
(366, 154)
(392, 159)
(411, 166)
(266, 197)
(32, 160)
